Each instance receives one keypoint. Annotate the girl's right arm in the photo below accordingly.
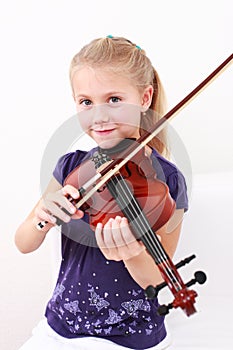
(28, 238)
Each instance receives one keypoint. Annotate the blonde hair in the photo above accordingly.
(125, 58)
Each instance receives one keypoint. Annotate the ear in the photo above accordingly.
(147, 97)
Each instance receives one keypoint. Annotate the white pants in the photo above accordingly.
(44, 338)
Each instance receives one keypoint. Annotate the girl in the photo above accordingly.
(99, 297)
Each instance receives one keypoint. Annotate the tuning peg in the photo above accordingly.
(163, 310)
(152, 292)
(199, 277)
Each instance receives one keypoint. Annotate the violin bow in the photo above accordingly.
(115, 165)
(103, 175)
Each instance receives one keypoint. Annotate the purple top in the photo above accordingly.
(98, 297)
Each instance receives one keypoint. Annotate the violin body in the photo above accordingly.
(151, 194)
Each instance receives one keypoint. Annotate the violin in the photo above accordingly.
(122, 180)
(147, 204)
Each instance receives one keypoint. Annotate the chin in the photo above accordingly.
(106, 144)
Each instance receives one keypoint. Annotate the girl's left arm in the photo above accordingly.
(117, 242)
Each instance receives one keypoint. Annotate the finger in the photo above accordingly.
(117, 233)
(56, 209)
(126, 248)
(126, 232)
(108, 253)
(70, 193)
(123, 250)
(134, 246)
(78, 215)
(59, 205)
(107, 235)
(70, 190)
(99, 235)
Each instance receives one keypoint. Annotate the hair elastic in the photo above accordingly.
(111, 37)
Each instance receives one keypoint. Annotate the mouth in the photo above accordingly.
(103, 132)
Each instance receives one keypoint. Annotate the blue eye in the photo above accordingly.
(114, 99)
(85, 102)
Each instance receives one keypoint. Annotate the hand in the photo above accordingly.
(116, 241)
(50, 207)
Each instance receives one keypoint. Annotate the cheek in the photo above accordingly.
(84, 121)
(132, 116)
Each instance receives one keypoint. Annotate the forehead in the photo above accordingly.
(86, 78)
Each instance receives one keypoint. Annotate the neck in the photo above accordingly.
(120, 147)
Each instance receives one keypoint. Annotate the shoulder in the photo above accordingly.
(169, 173)
(164, 168)
(68, 162)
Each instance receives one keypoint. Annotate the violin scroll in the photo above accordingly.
(184, 298)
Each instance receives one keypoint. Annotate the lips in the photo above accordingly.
(103, 132)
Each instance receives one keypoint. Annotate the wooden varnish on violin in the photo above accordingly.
(151, 194)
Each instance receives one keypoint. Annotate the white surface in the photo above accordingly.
(185, 40)
(208, 233)
(45, 338)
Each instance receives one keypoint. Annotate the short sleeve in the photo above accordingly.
(66, 164)
(173, 177)
(178, 189)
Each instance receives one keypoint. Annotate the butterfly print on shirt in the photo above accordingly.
(96, 300)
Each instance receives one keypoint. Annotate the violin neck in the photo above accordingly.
(142, 230)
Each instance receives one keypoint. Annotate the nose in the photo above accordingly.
(100, 114)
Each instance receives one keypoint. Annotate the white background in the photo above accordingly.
(186, 41)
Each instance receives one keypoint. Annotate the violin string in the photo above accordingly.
(134, 212)
(150, 238)
(145, 227)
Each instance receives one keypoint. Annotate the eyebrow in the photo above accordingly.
(110, 93)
